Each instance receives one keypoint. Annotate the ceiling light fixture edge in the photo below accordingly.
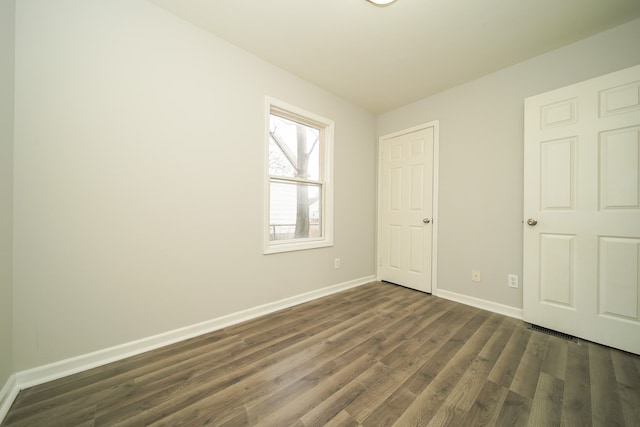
(381, 2)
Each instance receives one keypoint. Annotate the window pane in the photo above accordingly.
(295, 211)
(279, 165)
(293, 149)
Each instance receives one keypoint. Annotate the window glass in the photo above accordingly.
(296, 211)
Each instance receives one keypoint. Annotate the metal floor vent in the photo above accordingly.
(553, 333)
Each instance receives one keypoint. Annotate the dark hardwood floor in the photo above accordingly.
(376, 355)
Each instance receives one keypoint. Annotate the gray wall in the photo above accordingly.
(138, 175)
(7, 8)
(481, 157)
(139, 179)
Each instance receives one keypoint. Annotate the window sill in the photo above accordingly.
(271, 248)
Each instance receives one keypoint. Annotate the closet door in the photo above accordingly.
(405, 226)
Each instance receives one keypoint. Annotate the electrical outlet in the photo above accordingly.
(336, 263)
(475, 276)
(512, 280)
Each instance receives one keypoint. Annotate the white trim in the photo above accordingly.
(484, 304)
(435, 124)
(435, 196)
(63, 368)
(327, 131)
(8, 394)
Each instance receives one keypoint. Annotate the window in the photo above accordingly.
(299, 174)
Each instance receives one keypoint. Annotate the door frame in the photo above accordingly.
(435, 223)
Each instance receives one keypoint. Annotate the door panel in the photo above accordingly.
(406, 208)
(558, 174)
(619, 166)
(557, 263)
(417, 187)
(619, 279)
(582, 186)
(395, 246)
(621, 99)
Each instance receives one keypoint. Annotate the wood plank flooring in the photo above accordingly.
(376, 355)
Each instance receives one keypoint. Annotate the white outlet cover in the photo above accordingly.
(475, 276)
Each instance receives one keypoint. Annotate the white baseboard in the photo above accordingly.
(8, 394)
(481, 303)
(63, 368)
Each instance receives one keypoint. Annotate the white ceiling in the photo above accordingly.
(383, 57)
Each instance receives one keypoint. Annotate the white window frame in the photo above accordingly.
(326, 126)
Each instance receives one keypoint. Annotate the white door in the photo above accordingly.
(406, 208)
(582, 210)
